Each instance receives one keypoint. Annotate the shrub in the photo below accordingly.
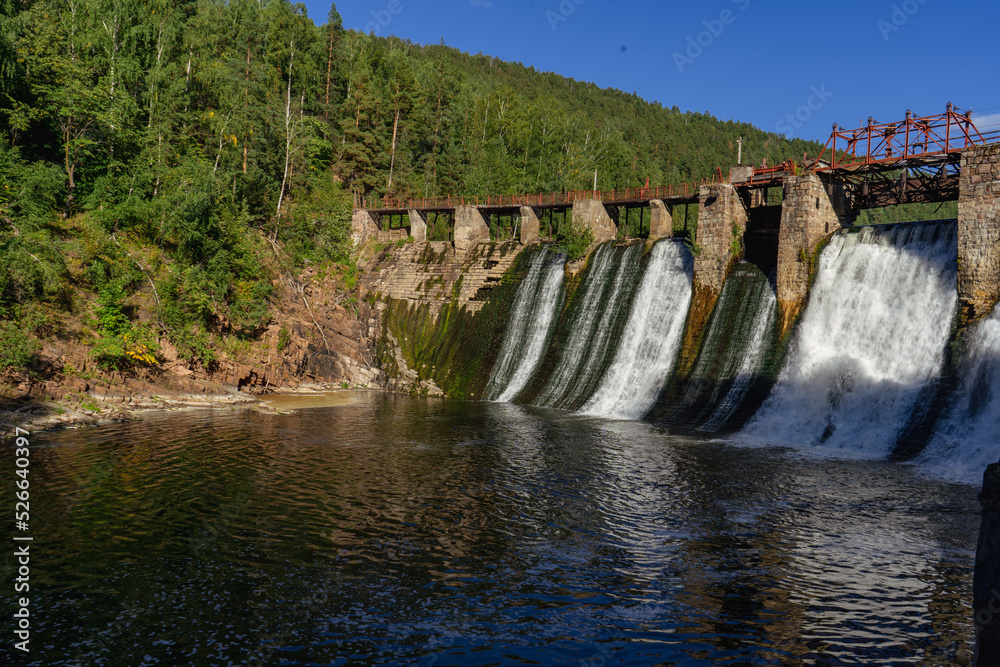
(284, 339)
(17, 347)
(317, 225)
(736, 247)
(121, 346)
(574, 240)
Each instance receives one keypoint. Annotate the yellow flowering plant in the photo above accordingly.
(121, 345)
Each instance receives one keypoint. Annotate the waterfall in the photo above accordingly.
(965, 441)
(749, 300)
(733, 368)
(872, 336)
(538, 300)
(651, 339)
(604, 300)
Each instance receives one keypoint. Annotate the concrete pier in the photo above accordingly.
(530, 226)
(661, 220)
(808, 216)
(470, 228)
(591, 214)
(722, 219)
(418, 226)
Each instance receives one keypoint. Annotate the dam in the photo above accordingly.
(776, 321)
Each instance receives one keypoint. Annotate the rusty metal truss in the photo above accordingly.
(892, 143)
(916, 160)
(920, 180)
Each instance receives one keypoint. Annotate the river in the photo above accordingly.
(391, 530)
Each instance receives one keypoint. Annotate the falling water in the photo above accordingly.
(873, 334)
(965, 441)
(734, 362)
(652, 336)
(538, 300)
(754, 328)
(605, 300)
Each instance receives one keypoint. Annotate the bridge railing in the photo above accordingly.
(874, 144)
(616, 196)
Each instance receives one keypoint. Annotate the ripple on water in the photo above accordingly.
(398, 530)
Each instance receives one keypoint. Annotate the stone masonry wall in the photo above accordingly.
(719, 209)
(434, 273)
(979, 232)
(363, 227)
(393, 235)
(808, 215)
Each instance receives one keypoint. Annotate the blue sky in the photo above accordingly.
(785, 66)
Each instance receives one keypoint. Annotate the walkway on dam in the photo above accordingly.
(913, 160)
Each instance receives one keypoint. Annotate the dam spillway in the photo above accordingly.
(873, 340)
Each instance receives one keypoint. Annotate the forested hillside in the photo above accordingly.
(162, 164)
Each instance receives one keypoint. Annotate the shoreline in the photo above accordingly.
(98, 409)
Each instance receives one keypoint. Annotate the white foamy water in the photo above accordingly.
(873, 334)
(652, 337)
(535, 308)
(583, 325)
(967, 439)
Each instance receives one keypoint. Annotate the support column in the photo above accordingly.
(418, 226)
(661, 220)
(591, 214)
(979, 232)
(721, 220)
(470, 228)
(530, 227)
(363, 226)
(808, 216)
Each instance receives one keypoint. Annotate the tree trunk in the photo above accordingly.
(392, 153)
(329, 67)
(288, 140)
(246, 105)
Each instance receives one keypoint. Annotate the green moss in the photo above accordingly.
(456, 349)
(428, 256)
(736, 246)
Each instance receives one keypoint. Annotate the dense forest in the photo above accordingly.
(163, 165)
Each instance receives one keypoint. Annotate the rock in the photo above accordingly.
(986, 578)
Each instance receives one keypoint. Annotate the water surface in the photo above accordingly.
(396, 530)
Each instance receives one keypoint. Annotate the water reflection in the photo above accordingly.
(397, 530)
